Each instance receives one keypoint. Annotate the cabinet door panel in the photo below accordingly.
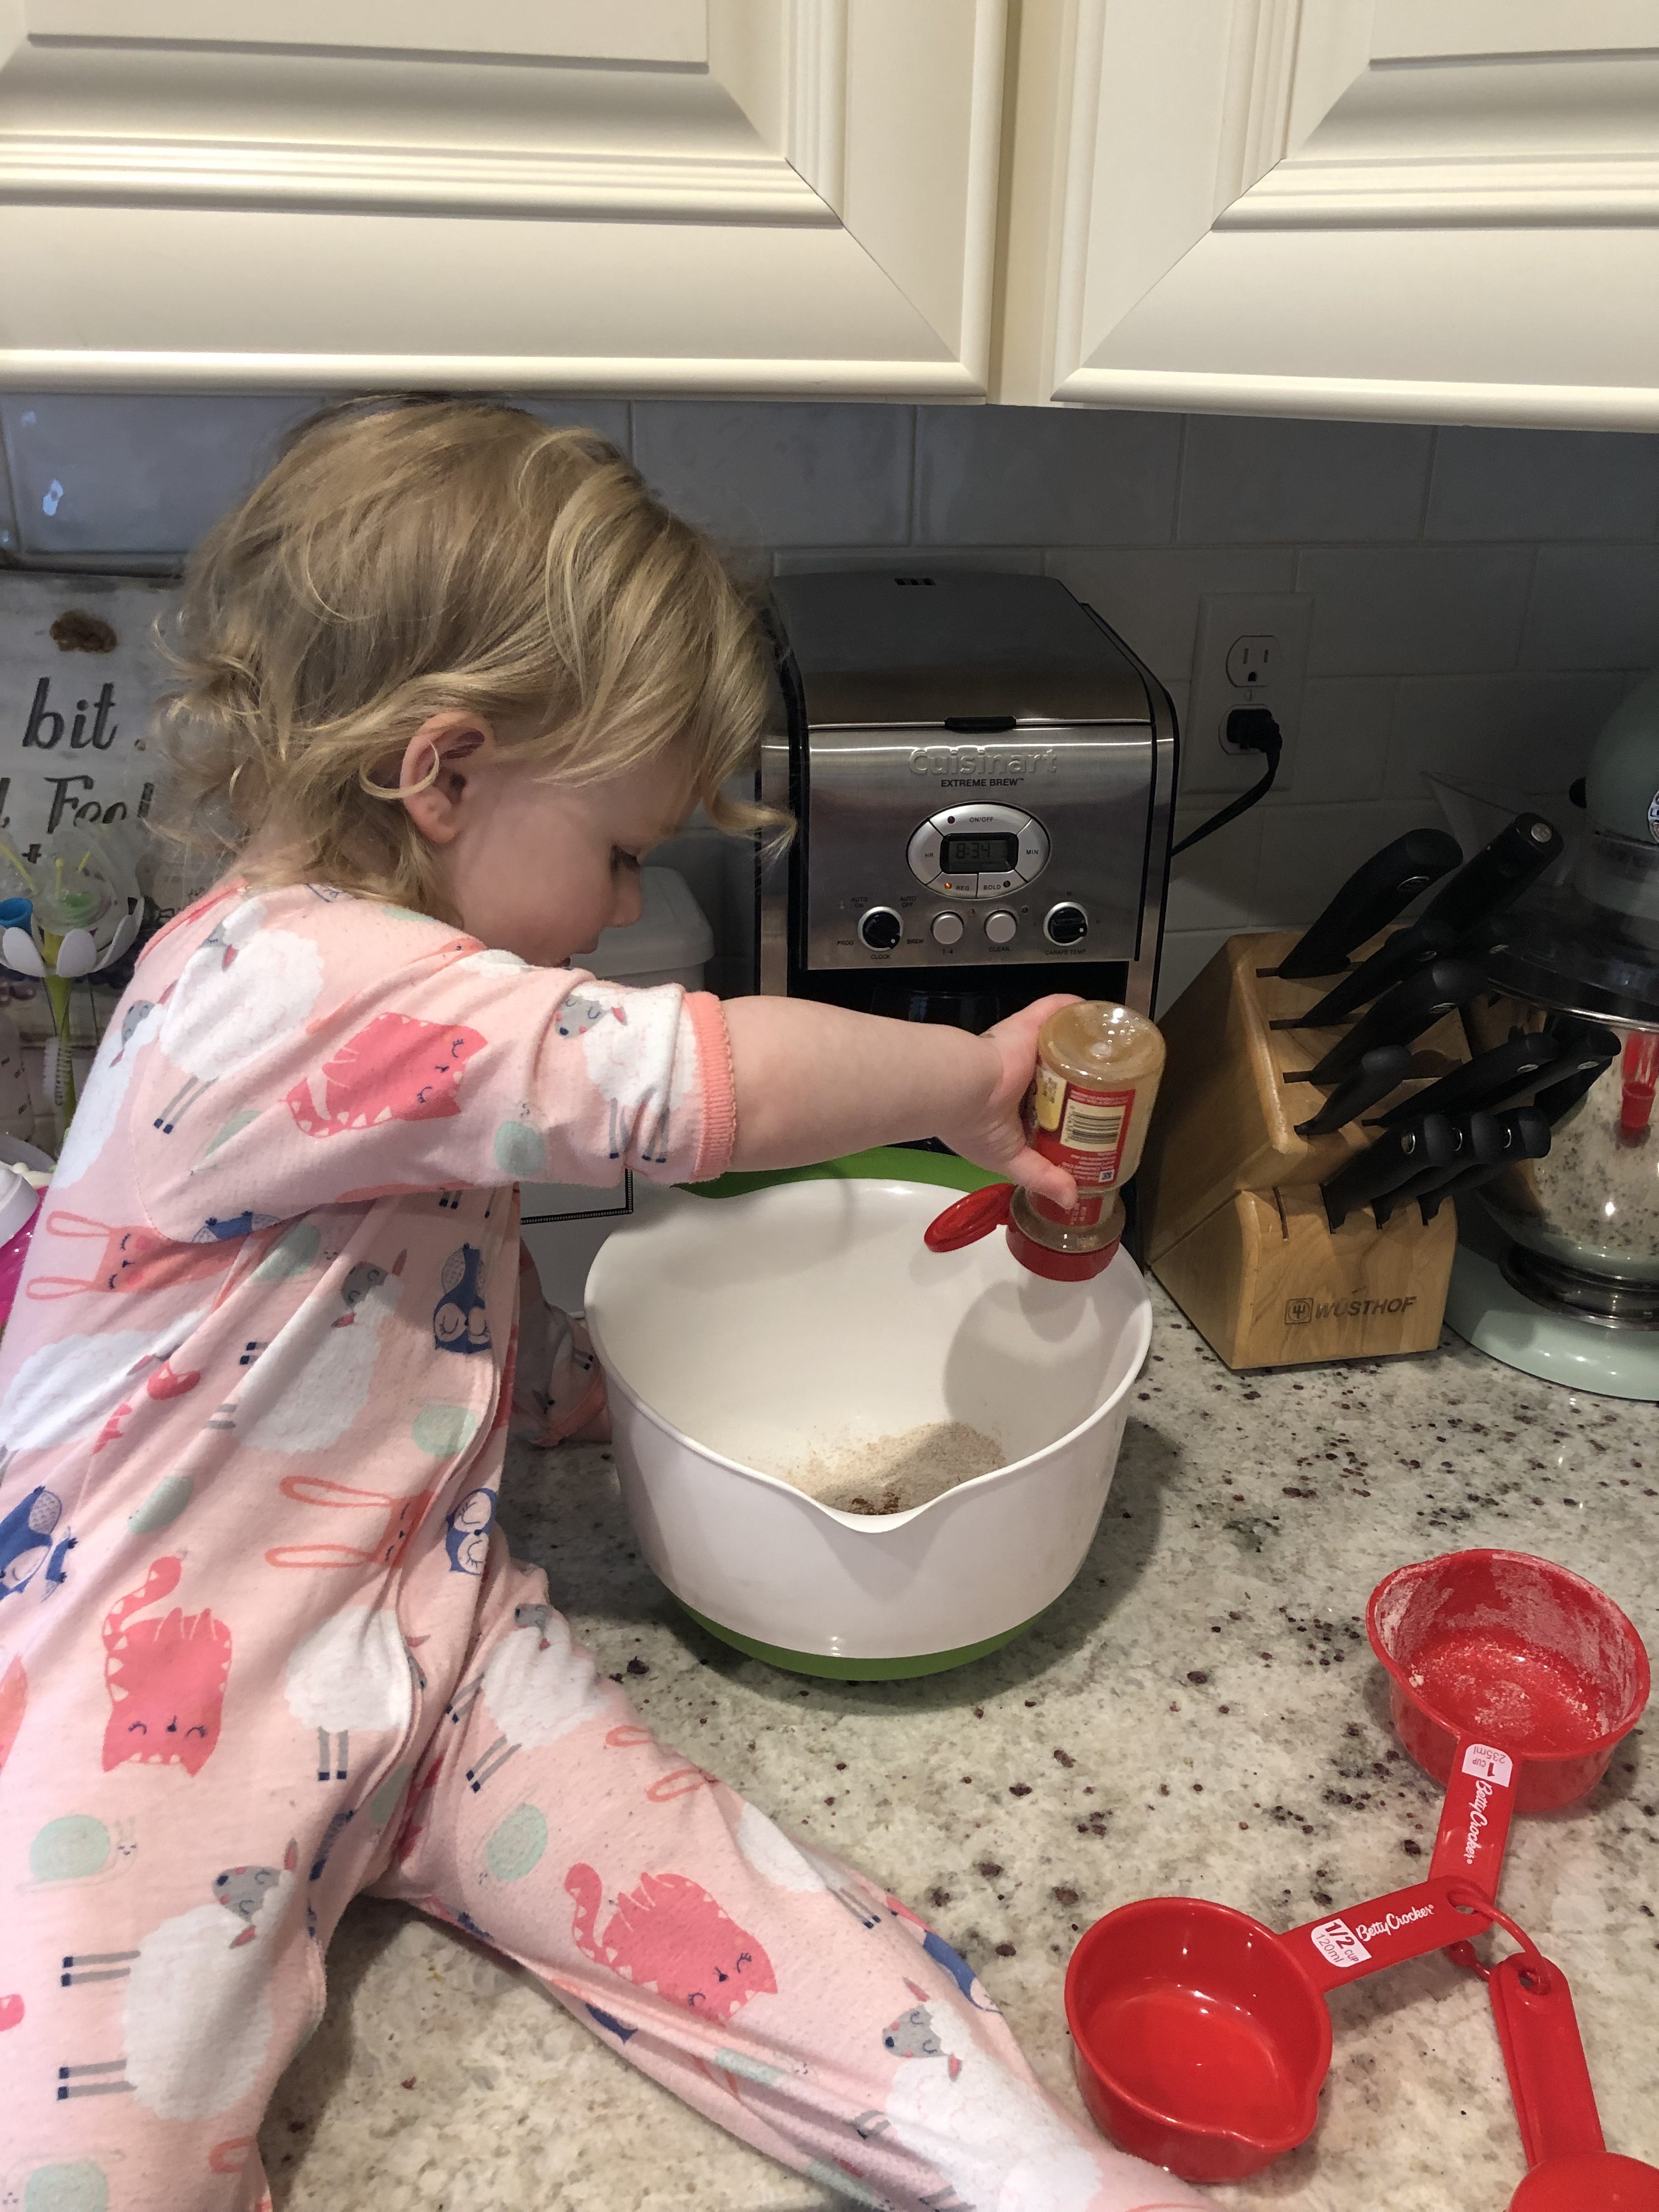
(1383, 208)
(673, 195)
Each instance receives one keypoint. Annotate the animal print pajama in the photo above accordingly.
(263, 1645)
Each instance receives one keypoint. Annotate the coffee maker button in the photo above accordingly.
(947, 929)
(1000, 927)
(923, 852)
(998, 886)
(880, 928)
(1066, 925)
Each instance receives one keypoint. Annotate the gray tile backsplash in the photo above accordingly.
(1481, 597)
(1594, 607)
(816, 474)
(145, 474)
(1249, 478)
(8, 510)
(1014, 476)
(1392, 610)
(1543, 483)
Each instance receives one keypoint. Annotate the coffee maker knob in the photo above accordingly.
(880, 928)
(1001, 927)
(1066, 925)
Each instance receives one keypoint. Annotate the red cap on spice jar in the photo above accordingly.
(982, 1210)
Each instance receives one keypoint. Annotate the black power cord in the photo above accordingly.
(1252, 730)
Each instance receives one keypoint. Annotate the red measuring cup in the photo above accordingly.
(1512, 1681)
(1200, 2038)
(1571, 2168)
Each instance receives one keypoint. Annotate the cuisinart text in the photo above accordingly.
(983, 766)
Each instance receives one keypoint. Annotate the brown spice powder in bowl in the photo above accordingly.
(893, 1473)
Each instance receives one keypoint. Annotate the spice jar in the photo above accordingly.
(1098, 1068)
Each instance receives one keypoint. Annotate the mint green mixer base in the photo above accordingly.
(854, 1670)
(1488, 1312)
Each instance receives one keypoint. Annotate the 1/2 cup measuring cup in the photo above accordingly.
(1512, 1681)
(1200, 2038)
(1571, 2168)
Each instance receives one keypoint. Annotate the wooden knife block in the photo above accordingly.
(1232, 1222)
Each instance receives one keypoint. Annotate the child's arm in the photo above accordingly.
(313, 1052)
(812, 1081)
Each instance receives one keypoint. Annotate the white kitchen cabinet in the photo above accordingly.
(740, 196)
(1436, 209)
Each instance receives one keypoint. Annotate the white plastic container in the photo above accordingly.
(563, 1224)
(745, 1331)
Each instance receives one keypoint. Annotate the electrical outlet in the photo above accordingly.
(1250, 650)
(1249, 662)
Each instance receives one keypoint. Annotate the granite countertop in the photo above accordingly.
(1200, 1712)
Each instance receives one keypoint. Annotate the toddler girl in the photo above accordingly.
(448, 677)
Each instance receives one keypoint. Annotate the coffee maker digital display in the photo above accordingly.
(958, 855)
(982, 776)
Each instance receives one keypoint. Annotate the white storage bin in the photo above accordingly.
(565, 1223)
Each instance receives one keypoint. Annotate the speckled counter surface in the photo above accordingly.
(1200, 1712)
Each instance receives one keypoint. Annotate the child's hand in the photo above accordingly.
(992, 1135)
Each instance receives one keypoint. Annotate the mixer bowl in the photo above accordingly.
(739, 1333)
(1585, 1217)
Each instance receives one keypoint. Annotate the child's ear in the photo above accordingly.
(434, 776)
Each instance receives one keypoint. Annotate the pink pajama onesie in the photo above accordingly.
(261, 1645)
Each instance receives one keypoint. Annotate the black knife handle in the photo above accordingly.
(1394, 1157)
(1498, 874)
(1478, 1140)
(1370, 900)
(1379, 1073)
(1418, 945)
(1489, 1082)
(1527, 1137)
(1404, 1014)
(1586, 1056)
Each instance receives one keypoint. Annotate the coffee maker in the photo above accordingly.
(981, 777)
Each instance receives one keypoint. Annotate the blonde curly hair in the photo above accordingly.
(407, 557)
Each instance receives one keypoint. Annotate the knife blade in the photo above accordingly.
(1526, 1137)
(1493, 1079)
(1397, 1155)
(1477, 1141)
(1379, 1071)
(1498, 874)
(1419, 945)
(1370, 900)
(1401, 1015)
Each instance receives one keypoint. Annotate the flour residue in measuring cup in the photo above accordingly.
(893, 1473)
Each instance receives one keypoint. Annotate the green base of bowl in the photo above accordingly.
(854, 1670)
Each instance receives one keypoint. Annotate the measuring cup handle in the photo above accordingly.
(1384, 1931)
(1549, 2081)
(1474, 1820)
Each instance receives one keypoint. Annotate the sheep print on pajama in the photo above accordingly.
(261, 1644)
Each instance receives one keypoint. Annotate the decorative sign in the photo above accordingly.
(80, 674)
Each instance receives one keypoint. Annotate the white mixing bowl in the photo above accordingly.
(742, 1332)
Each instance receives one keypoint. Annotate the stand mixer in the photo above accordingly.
(1558, 1272)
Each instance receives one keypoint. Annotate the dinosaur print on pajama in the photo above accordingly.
(280, 1312)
